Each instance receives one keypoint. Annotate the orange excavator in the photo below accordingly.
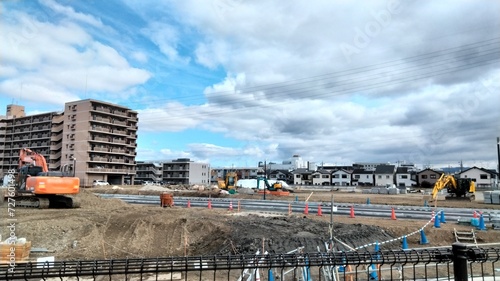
(37, 187)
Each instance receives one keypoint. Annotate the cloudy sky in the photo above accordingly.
(236, 82)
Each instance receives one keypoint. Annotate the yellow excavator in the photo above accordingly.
(229, 182)
(458, 188)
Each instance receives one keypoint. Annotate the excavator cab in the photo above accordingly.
(24, 173)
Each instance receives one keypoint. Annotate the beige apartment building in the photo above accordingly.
(93, 139)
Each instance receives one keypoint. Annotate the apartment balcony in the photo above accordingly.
(56, 138)
(98, 159)
(55, 155)
(101, 139)
(101, 149)
(102, 109)
(119, 141)
(118, 160)
(110, 171)
(100, 129)
(57, 128)
(56, 146)
(120, 113)
(117, 151)
(100, 119)
(121, 123)
(119, 132)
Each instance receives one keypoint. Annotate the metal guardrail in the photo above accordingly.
(458, 262)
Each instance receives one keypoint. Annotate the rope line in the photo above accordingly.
(401, 237)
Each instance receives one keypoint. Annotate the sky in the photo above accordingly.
(233, 82)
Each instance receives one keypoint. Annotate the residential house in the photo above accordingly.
(341, 177)
(384, 175)
(404, 177)
(428, 177)
(302, 176)
(362, 177)
(483, 178)
(322, 177)
(281, 175)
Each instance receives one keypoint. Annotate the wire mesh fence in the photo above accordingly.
(458, 262)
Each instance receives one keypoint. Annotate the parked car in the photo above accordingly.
(100, 183)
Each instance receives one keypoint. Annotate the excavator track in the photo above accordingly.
(46, 202)
(31, 202)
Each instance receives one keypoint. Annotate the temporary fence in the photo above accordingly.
(458, 262)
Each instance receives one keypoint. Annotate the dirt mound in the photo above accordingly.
(282, 234)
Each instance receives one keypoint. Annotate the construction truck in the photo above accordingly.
(275, 188)
(458, 188)
(229, 182)
(37, 187)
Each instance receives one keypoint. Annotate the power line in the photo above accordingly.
(448, 52)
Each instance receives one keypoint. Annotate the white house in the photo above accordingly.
(403, 177)
(321, 177)
(341, 177)
(384, 175)
(482, 177)
(362, 177)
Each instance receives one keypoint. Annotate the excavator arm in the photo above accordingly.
(28, 157)
(443, 182)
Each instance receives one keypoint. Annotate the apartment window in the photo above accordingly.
(483, 176)
(424, 177)
(433, 176)
(387, 176)
(297, 176)
(379, 176)
(324, 176)
(356, 176)
(344, 176)
(404, 176)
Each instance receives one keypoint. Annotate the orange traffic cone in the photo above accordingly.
(289, 209)
(320, 213)
(189, 204)
(352, 212)
(393, 214)
(433, 215)
(230, 205)
(209, 204)
(306, 209)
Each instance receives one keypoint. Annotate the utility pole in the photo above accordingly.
(498, 155)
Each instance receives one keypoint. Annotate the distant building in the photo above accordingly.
(341, 177)
(242, 172)
(384, 175)
(302, 176)
(428, 177)
(483, 178)
(148, 172)
(185, 171)
(405, 177)
(362, 177)
(94, 139)
(368, 166)
(322, 177)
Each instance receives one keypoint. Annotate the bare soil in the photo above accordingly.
(110, 228)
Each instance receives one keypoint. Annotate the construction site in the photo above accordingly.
(110, 228)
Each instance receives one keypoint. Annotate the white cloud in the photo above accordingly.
(71, 13)
(61, 61)
(140, 57)
(166, 37)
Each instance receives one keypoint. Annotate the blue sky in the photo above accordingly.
(234, 82)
